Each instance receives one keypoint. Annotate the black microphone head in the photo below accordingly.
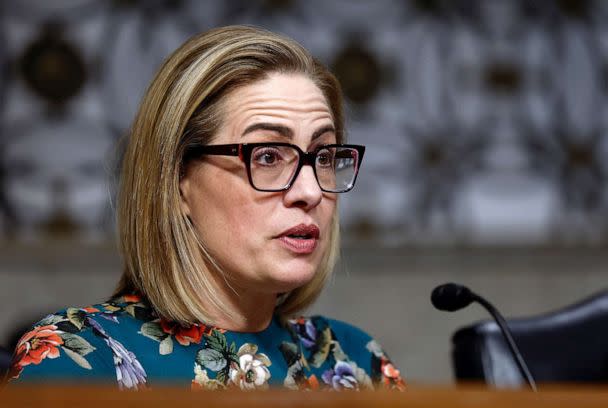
(450, 297)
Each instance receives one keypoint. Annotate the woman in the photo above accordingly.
(228, 228)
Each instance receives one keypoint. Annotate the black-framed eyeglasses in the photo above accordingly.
(273, 167)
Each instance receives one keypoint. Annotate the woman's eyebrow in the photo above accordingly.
(280, 129)
(321, 131)
(284, 131)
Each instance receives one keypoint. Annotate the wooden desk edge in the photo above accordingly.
(470, 396)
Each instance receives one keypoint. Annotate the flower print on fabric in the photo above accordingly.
(319, 348)
(42, 342)
(164, 331)
(216, 357)
(306, 331)
(296, 378)
(315, 336)
(251, 372)
(78, 316)
(341, 376)
(185, 334)
(133, 305)
(35, 346)
(129, 372)
(384, 373)
(51, 335)
(203, 382)
(131, 298)
(309, 352)
(245, 369)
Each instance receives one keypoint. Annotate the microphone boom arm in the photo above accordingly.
(502, 324)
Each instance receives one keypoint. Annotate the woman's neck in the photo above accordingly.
(243, 310)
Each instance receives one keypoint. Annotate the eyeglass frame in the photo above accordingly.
(244, 151)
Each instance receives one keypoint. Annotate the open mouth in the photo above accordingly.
(298, 236)
(301, 239)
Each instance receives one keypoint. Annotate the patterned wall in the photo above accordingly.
(485, 120)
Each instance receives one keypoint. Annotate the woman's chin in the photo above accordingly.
(290, 279)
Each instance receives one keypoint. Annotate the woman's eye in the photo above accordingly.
(325, 159)
(267, 157)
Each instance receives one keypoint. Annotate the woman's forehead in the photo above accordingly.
(295, 92)
(284, 98)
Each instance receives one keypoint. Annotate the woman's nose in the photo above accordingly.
(305, 191)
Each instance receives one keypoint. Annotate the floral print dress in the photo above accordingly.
(123, 341)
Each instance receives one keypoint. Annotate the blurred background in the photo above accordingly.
(485, 123)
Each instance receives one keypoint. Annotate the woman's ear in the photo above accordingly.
(184, 190)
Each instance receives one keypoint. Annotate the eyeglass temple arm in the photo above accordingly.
(216, 150)
(220, 150)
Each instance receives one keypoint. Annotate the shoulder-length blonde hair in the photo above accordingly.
(183, 107)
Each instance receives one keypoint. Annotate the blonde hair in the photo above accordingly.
(182, 107)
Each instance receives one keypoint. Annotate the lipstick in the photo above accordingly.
(301, 239)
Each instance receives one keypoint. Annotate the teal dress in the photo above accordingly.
(124, 342)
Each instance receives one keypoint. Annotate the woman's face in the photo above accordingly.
(251, 233)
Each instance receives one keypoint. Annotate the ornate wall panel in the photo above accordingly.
(486, 121)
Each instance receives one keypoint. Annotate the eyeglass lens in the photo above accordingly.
(273, 167)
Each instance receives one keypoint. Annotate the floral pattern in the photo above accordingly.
(306, 331)
(35, 346)
(251, 372)
(164, 332)
(42, 342)
(185, 334)
(203, 382)
(245, 369)
(320, 347)
(46, 338)
(129, 372)
(51, 335)
(341, 376)
(126, 341)
(385, 374)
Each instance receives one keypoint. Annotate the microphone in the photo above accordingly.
(451, 297)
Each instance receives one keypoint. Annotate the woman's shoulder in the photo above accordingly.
(345, 345)
(89, 320)
(74, 342)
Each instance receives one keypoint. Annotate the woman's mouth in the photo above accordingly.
(301, 239)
